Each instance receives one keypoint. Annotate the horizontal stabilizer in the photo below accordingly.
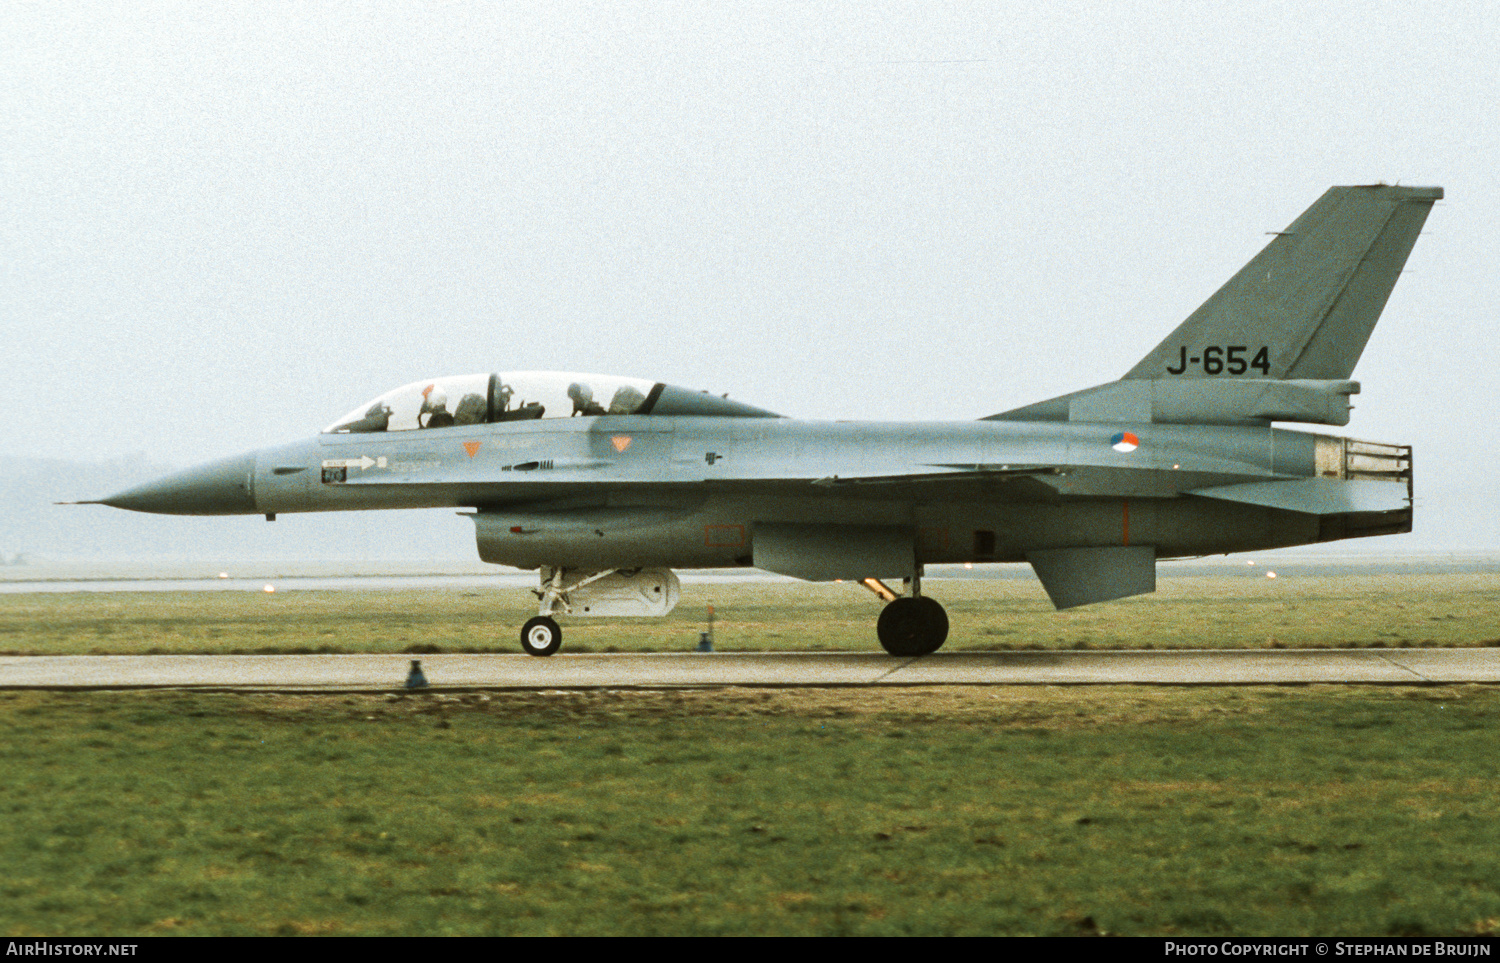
(1317, 496)
(1082, 576)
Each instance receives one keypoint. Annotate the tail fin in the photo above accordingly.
(1304, 307)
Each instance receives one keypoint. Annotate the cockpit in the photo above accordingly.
(480, 399)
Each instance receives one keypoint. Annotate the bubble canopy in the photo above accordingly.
(479, 399)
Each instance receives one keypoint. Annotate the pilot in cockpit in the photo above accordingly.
(583, 400)
(435, 407)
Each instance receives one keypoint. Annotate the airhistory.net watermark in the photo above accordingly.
(54, 948)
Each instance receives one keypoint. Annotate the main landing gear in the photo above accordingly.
(912, 626)
(909, 625)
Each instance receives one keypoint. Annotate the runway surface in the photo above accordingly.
(365, 673)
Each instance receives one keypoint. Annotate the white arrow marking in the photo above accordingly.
(364, 461)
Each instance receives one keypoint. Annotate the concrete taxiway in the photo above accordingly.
(364, 673)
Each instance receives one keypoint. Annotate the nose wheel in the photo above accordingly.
(912, 626)
(541, 636)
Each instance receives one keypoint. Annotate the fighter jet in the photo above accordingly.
(604, 484)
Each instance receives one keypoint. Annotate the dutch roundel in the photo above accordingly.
(1125, 441)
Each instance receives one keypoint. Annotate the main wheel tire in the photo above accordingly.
(541, 636)
(912, 626)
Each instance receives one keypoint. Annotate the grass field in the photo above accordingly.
(1005, 810)
(1195, 612)
(1321, 810)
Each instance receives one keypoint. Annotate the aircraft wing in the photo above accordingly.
(948, 475)
(1012, 486)
(945, 484)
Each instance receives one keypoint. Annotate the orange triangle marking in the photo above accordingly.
(472, 447)
(621, 442)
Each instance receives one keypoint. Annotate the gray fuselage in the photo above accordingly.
(690, 491)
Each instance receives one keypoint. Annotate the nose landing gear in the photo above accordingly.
(541, 635)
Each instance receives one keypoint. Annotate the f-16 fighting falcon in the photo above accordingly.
(605, 484)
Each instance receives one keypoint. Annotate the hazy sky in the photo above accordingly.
(227, 224)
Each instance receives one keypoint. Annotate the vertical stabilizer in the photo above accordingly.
(1304, 307)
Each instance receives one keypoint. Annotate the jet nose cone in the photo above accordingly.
(223, 487)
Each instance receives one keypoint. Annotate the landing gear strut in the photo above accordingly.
(910, 624)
